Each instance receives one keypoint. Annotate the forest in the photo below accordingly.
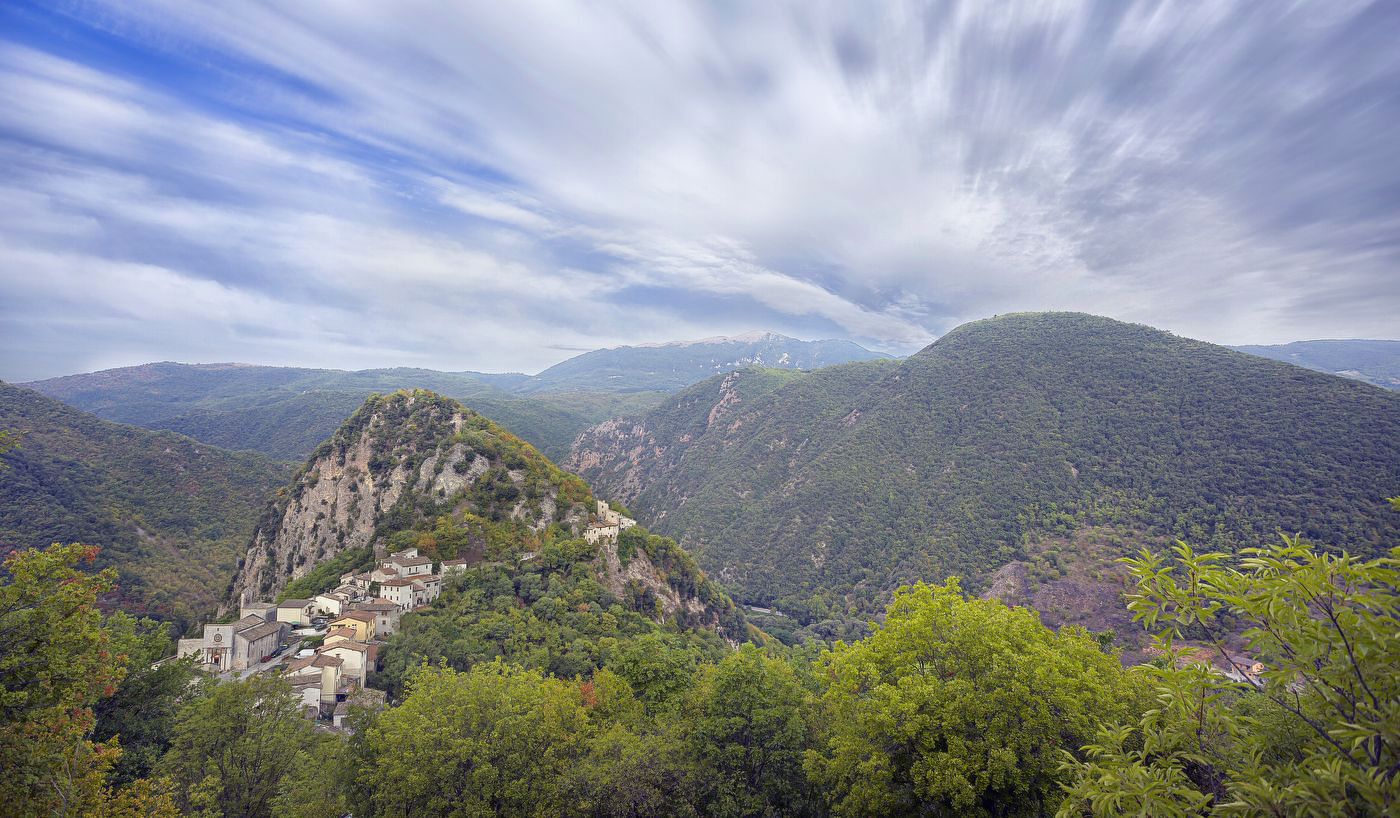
(951, 706)
(819, 493)
(171, 513)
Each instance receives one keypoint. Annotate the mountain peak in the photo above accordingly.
(751, 337)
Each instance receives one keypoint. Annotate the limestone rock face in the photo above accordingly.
(402, 454)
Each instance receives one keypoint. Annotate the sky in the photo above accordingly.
(497, 186)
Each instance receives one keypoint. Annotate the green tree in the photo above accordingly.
(56, 661)
(957, 706)
(233, 747)
(317, 784)
(496, 740)
(141, 712)
(748, 726)
(1316, 733)
(630, 774)
(657, 669)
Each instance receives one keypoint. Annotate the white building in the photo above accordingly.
(266, 610)
(409, 566)
(357, 658)
(331, 603)
(399, 592)
(426, 589)
(386, 614)
(295, 612)
(234, 645)
(599, 531)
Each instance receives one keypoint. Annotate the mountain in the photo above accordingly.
(170, 513)
(285, 412)
(416, 468)
(1375, 362)
(671, 366)
(1049, 439)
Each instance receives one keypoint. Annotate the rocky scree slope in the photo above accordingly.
(822, 492)
(409, 466)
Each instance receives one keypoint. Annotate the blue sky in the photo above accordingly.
(494, 185)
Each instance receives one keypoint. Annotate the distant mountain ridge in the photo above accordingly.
(675, 365)
(170, 513)
(821, 491)
(285, 412)
(1373, 361)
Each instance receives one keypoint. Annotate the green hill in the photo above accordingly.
(822, 493)
(171, 514)
(1375, 362)
(415, 469)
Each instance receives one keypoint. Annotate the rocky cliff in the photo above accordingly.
(399, 459)
(417, 468)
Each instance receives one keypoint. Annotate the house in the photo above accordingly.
(607, 517)
(409, 566)
(381, 573)
(426, 589)
(399, 592)
(341, 634)
(386, 615)
(598, 531)
(266, 610)
(311, 666)
(361, 622)
(357, 658)
(320, 683)
(453, 567)
(407, 553)
(295, 612)
(331, 603)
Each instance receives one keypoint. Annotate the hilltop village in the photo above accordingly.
(327, 646)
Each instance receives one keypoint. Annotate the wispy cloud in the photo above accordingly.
(485, 186)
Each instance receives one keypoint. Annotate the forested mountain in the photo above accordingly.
(170, 513)
(285, 412)
(1375, 362)
(418, 469)
(1032, 437)
(671, 366)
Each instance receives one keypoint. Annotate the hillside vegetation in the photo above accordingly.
(170, 513)
(824, 492)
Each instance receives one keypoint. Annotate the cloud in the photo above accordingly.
(487, 186)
